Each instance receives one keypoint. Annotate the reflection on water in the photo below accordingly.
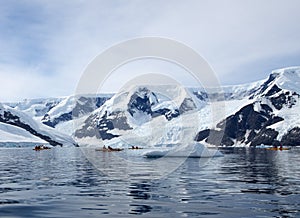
(61, 182)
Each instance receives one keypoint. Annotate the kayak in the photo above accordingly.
(41, 147)
(136, 148)
(278, 149)
(109, 150)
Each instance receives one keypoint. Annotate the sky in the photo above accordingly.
(45, 46)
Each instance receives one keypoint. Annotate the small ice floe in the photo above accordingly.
(195, 150)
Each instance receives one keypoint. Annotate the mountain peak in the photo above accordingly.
(286, 72)
(287, 78)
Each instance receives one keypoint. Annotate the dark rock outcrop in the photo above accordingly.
(291, 138)
(251, 126)
(83, 105)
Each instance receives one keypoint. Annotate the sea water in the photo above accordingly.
(62, 182)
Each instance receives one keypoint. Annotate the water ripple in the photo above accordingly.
(62, 183)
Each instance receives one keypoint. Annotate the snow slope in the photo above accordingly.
(16, 118)
(36, 107)
(9, 133)
(288, 78)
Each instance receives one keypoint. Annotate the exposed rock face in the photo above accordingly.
(246, 126)
(140, 102)
(129, 109)
(76, 107)
(53, 122)
(144, 100)
(253, 124)
(99, 127)
(292, 137)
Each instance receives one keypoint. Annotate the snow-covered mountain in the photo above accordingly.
(48, 120)
(232, 92)
(270, 117)
(137, 112)
(263, 112)
(36, 107)
(59, 112)
(52, 111)
(17, 126)
(73, 107)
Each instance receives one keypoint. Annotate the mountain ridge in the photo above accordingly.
(262, 112)
(255, 123)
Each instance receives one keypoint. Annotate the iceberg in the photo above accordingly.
(195, 150)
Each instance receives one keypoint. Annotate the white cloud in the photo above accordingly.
(59, 38)
(232, 34)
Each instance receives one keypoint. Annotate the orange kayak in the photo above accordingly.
(39, 148)
(278, 149)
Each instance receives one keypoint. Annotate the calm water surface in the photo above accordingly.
(61, 182)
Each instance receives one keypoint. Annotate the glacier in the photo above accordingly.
(262, 112)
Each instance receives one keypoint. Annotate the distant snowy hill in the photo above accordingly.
(52, 111)
(18, 126)
(271, 116)
(73, 107)
(59, 112)
(36, 107)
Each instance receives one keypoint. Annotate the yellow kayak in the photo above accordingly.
(278, 149)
